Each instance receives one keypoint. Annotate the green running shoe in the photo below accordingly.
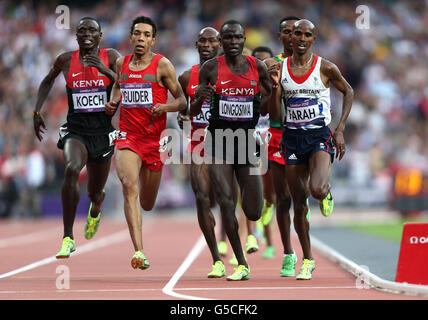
(67, 248)
(222, 248)
(306, 270)
(269, 253)
(139, 260)
(326, 205)
(218, 270)
(288, 265)
(267, 213)
(252, 244)
(308, 214)
(241, 273)
(91, 225)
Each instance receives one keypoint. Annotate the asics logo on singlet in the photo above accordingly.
(224, 82)
(88, 83)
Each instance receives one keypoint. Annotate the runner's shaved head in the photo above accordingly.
(209, 29)
(304, 23)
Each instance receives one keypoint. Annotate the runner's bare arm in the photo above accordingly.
(115, 95)
(166, 73)
(333, 75)
(204, 90)
(265, 86)
(275, 98)
(44, 89)
(269, 63)
(182, 115)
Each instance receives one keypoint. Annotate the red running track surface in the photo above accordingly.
(100, 268)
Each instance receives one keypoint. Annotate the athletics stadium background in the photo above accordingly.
(386, 164)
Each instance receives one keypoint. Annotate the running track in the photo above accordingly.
(100, 268)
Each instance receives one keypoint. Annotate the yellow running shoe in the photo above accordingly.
(327, 205)
(306, 270)
(222, 248)
(252, 244)
(139, 260)
(91, 225)
(241, 273)
(218, 270)
(67, 248)
(267, 213)
(233, 261)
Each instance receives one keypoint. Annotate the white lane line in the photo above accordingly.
(176, 289)
(193, 254)
(265, 288)
(366, 276)
(102, 242)
(75, 291)
(28, 238)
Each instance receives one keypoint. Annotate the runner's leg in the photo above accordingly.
(75, 157)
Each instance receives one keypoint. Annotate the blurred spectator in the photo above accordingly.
(386, 65)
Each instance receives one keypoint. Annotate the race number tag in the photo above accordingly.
(301, 111)
(201, 120)
(136, 95)
(234, 108)
(89, 99)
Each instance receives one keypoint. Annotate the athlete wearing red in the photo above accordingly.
(207, 45)
(139, 130)
(235, 100)
(141, 87)
(85, 137)
(88, 91)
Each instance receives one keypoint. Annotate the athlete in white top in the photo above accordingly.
(304, 79)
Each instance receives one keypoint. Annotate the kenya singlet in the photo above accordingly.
(236, 101)
(88, 91)
(140, 91)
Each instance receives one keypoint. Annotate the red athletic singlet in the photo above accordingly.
(139, 131)
(88, 91)
(140, 91)
(237, 98)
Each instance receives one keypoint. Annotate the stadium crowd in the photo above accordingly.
(386, 64)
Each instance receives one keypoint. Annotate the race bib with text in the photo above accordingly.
(89, 99)
(235, 108)
(136, 95)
